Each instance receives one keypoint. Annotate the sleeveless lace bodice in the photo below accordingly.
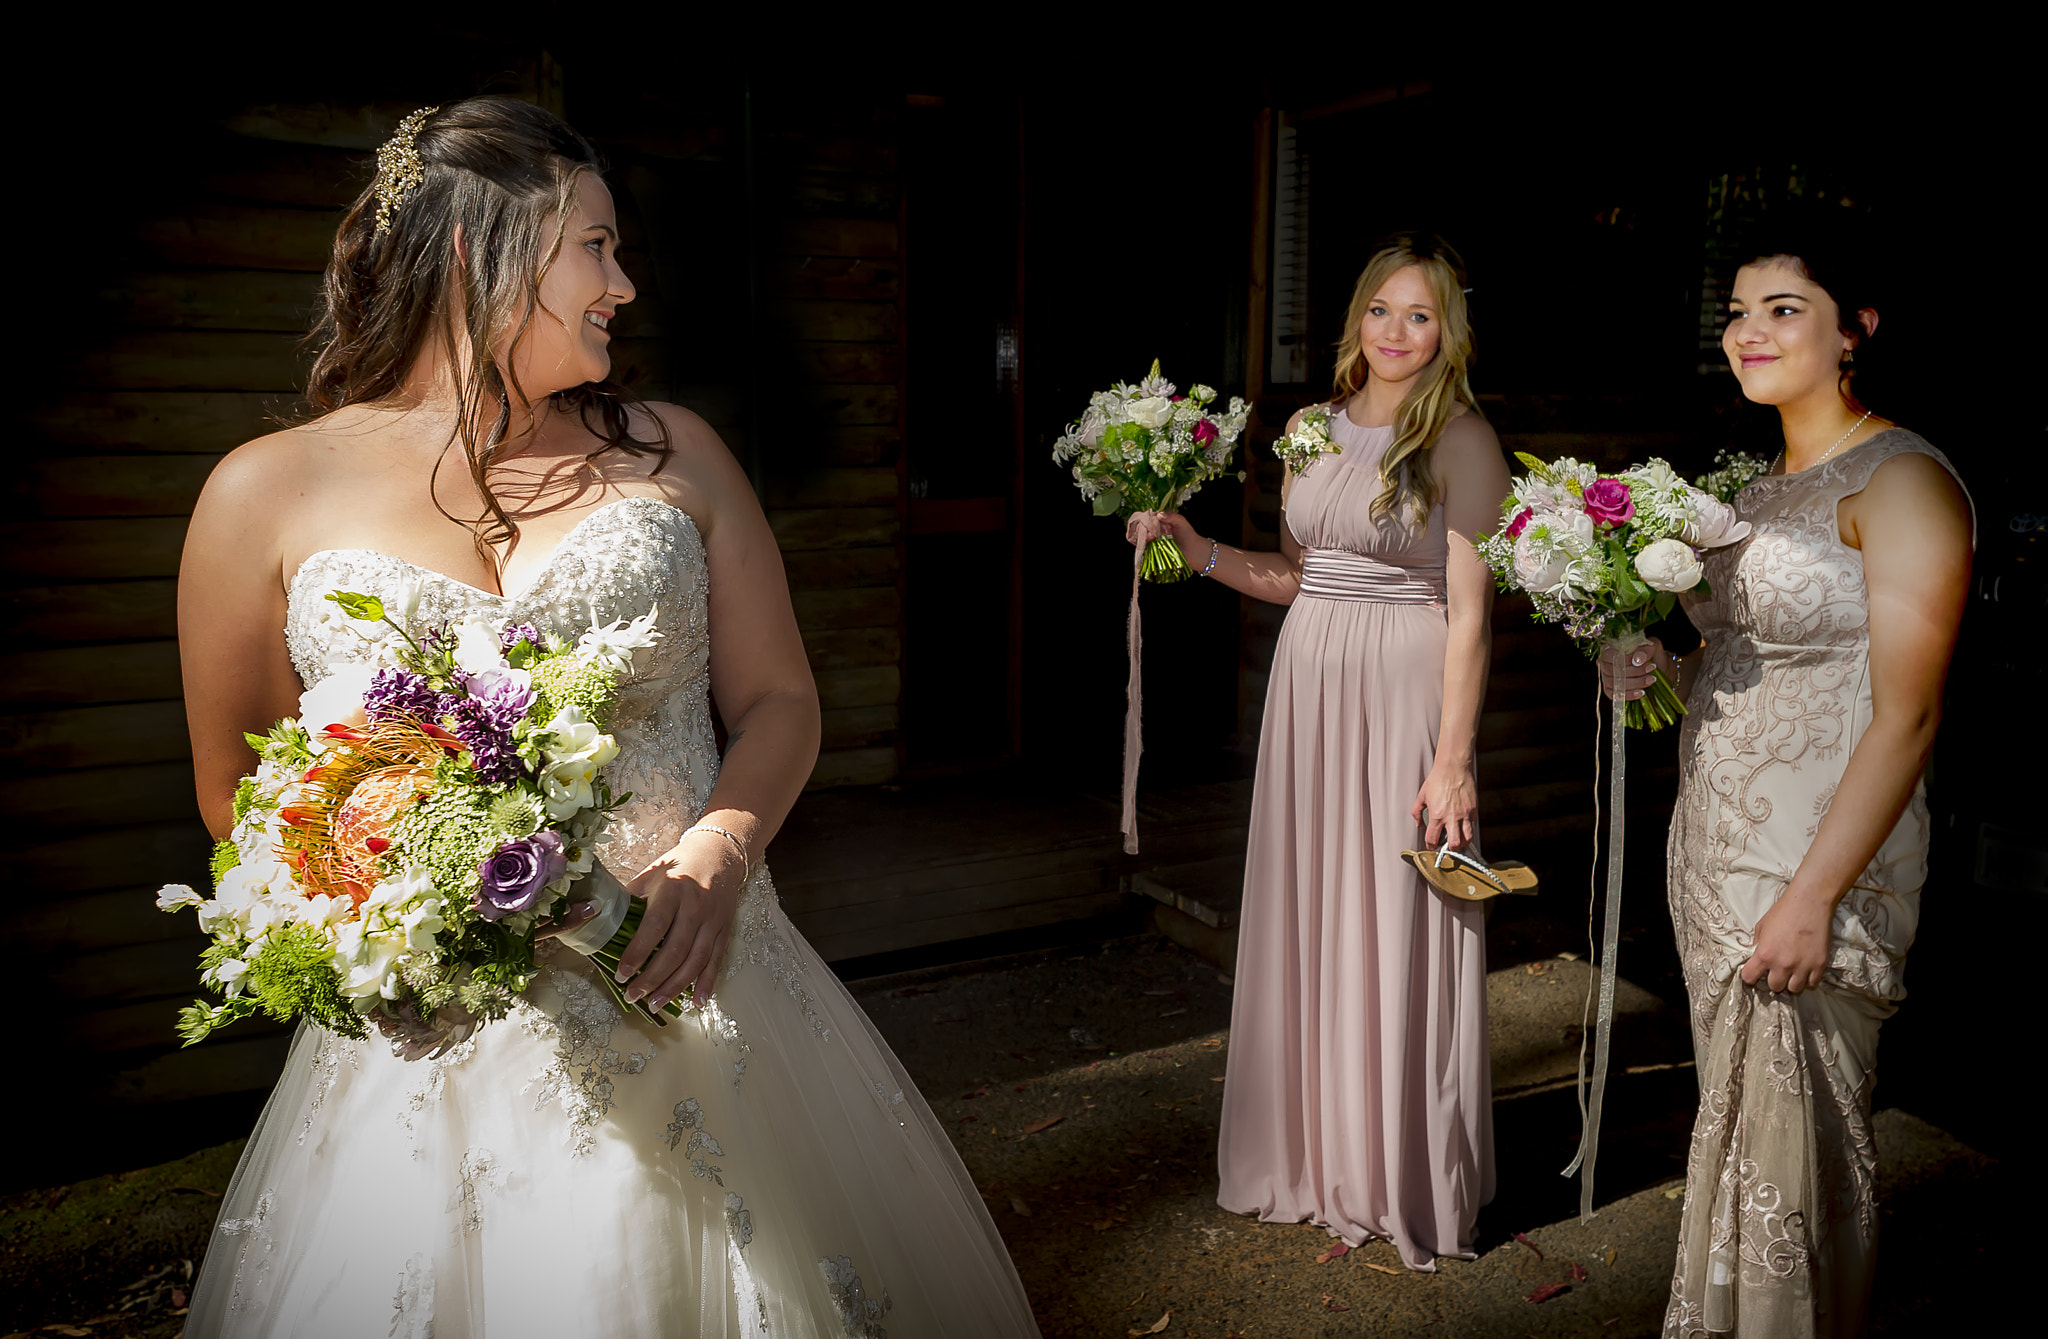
(618, 561)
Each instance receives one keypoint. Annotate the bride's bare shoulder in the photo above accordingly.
(701, 471)
(275, 476)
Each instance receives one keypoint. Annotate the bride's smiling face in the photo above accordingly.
(568, 342)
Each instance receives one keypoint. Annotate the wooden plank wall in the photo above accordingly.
(196, 344)
(835, 491)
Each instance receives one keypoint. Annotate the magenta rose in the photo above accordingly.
(1519, 524)
(1205, 432)
(1608, 503)
(515, 875)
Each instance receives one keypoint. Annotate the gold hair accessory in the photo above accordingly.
(399, 169)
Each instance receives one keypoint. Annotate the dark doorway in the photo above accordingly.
(962, 203)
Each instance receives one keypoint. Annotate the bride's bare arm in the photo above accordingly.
(231, 597)
(761, 684)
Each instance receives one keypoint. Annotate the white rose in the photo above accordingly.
(394, 893)
(1539, 566)
(1151, 412)
(1669, 565)
(335, 700)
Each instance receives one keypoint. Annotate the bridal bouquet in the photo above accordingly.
(1607, 555)
(1143, 448)
(400, 840)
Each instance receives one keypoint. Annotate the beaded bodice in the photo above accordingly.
(622, 559)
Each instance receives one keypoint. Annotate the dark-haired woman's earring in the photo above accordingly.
(1848, 355)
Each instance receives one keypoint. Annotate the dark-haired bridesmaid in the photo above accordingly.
(1799, 845)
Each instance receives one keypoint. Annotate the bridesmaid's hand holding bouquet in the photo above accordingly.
(1607, 555)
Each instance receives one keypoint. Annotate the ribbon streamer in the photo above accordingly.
(1134, 693)
(1610, 945)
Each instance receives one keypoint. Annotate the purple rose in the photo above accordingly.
(1520, 523)
(514, 877)
(1608, 503)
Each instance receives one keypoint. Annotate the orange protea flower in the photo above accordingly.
(362, 820)
(348, 802)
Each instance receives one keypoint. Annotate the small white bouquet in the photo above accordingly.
(1144, 448)
(1608, 555)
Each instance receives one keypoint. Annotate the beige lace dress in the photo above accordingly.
(1780, 1226)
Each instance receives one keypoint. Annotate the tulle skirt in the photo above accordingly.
(763, 1168)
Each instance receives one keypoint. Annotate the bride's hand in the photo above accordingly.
(567, 919)
(1146, 526)
(691, 894)
(1636, 669)
(1451, 795)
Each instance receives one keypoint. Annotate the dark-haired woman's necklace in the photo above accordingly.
(1825, 454)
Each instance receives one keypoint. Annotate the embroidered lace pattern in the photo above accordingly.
(333, 1049)
(702, 1146)
(860, 1316)
(412, 1305)
(478, 1171)
(581, 1073)
(255, 1228)
(1780, 1211)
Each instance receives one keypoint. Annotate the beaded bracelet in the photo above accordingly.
(1215, 547)
(746, 865)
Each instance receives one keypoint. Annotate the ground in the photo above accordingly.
(1082, 1088)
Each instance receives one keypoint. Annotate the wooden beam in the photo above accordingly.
(850, 362)
(855, 607)
(833, 527)
(830, 569)
(873, 322)
(212, 300)
(863, 487)
(202, 421)
(869, 687)
(872, 238)
(189, 360)
(87, 675)
(852, 648)
(152, 485)
(243, 237)
(866, 277)
(853, 767)
(100, 611)
(85, 549)
(132, 732)
(149, 793)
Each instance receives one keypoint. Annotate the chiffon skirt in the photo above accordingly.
(1358, 1094)
(767, 1168)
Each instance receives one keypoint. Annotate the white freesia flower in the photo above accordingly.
(1669, 565)
(228, 976)
(1151, 412)
(176, 897)
(574, 749)
(478, 647)
(423, 922)
(614, 645)
(368, 960)
(400, 891)
(335, 700)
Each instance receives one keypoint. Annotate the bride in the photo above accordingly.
(763, 1167)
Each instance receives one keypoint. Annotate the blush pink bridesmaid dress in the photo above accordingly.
(1358, 1093)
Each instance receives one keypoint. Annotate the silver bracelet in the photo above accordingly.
(746, 865)
(1215, 547)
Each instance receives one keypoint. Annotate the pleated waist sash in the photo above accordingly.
(1339, 574)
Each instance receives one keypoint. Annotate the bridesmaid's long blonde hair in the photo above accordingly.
(1436, 390)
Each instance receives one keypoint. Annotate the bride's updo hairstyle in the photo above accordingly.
(502, 174)
(1432, 392)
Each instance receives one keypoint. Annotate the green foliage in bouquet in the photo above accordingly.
(563, 681)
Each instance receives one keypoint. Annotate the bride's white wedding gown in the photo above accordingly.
(764, 1169)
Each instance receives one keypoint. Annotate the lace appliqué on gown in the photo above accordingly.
(860, 1316)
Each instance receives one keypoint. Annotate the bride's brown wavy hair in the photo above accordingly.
(1435, 390)
(501, 174)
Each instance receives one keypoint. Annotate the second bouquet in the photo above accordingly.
(1144, 448)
